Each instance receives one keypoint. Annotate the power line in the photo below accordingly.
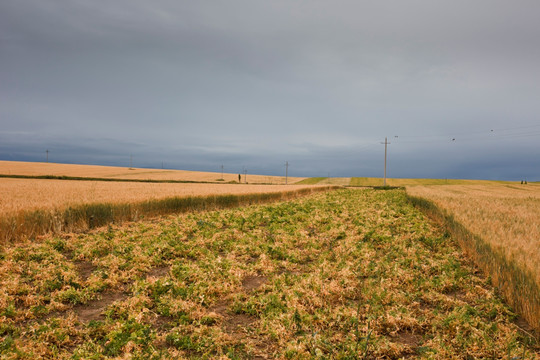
(470, 135)
(385, 152)
(514, 135)
(491, 135)
(518, 127)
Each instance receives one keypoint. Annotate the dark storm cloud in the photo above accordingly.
(253, 84)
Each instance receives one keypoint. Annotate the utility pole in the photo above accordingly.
(47, 151)
(245, 175)
(385, 152)
(286, 172)
(130, 160)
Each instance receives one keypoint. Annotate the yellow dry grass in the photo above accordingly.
(505, 216)
(110, 172)
(32, 194)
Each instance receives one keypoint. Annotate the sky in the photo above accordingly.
(453, 85)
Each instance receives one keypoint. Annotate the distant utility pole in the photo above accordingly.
(130, 160)
(286, 172)
(385, 152)
(245, 175)
(47, 151)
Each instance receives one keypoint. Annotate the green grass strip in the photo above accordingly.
(311, 181)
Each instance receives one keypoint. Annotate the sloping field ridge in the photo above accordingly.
(78, 172)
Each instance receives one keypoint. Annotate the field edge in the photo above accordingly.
(30, 224)
(516, 285)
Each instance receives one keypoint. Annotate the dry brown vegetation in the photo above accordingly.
(110, 172)
(506, 219)
(348, 274)
(31, 194)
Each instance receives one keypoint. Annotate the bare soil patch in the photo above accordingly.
(457, 295)
(85, 269)
(161, 321)
(220, 307)
(94, 309)
(408, 338)
(159, 271)
(253, 282)
(233, 324)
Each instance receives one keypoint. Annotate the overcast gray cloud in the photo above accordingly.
(197, 84)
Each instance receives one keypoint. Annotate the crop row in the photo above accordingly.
(29, 224)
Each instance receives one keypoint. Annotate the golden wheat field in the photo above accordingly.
(111, 172)
(506, 216)
(31, 194)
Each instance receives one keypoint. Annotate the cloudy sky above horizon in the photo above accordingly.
(455, 86)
